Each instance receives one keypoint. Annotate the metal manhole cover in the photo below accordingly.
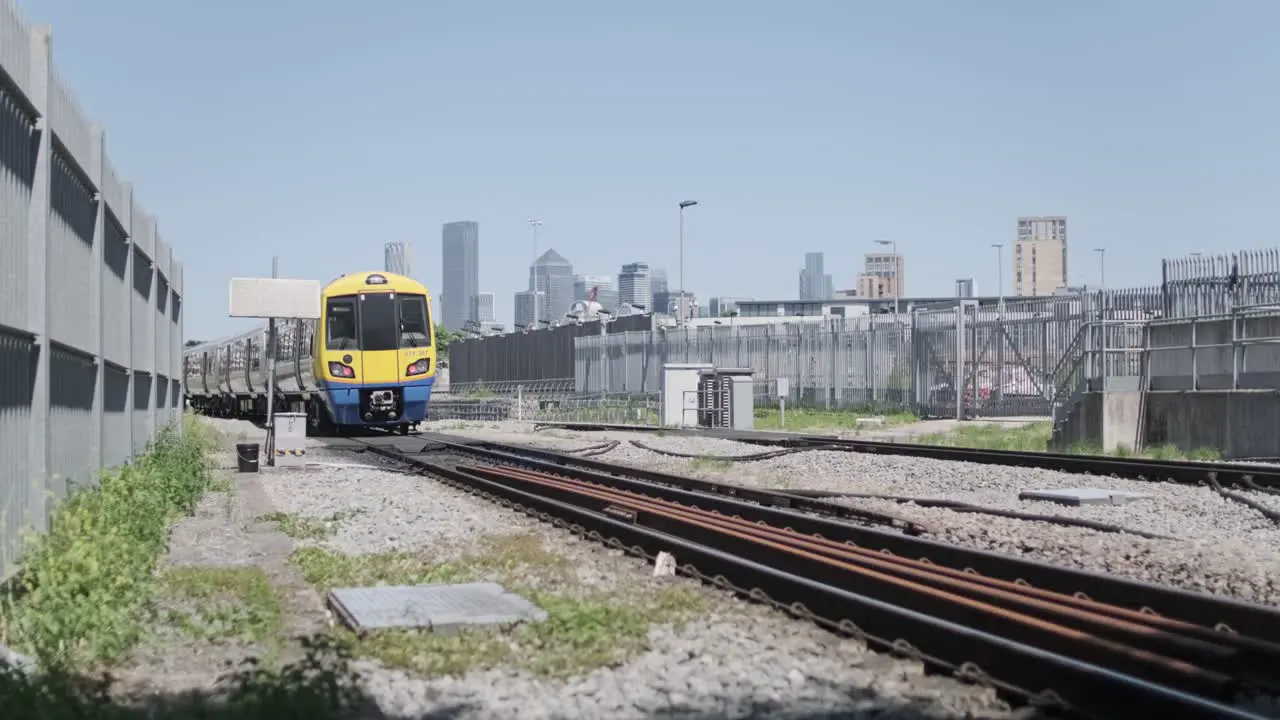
(440, 608)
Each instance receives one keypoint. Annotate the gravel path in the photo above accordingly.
(1221, 546)
(720, 658)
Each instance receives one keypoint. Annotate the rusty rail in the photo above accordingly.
(1047, 647)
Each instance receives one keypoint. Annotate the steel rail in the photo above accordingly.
(1127, 644)
(1043, 677)
(1244, 476)
(1220, 613)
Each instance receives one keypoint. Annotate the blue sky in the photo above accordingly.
(319, 130)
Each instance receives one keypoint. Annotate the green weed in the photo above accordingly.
(301, 527)
(583, 631)
(222, 602)
(801, 419)
(85, 585)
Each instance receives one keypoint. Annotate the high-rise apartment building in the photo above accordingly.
(396, 258)
(635, 286)
(883, 275)
(606, 292)
(460, 272)
(814, 283)
(483, 312)
(966, 288)
(1040, 256)
(553, 275)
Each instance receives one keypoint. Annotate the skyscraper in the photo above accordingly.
(1040, 255)
(634, 286)
(460, 272)
(661, 291)
(553, 275)
(483, 311)
(524, 305)
(814, 284)
(396, 258)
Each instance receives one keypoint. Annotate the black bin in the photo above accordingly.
(247, 457)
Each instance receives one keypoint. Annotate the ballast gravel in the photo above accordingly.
(736, 660)
(1218, 545)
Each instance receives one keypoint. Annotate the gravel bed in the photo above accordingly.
(1220, 546)
(731, 659)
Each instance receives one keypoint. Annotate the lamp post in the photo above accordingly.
(684, 204)
(534, 224)
(999, 271)
(897, 281)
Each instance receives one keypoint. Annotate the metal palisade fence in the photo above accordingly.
(90, 298)
(961, 358)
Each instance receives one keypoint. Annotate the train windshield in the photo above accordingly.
(415, 322)
(340, 324)
(378, 322)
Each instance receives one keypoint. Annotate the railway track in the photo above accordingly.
(1054, 637)
(1221, 474)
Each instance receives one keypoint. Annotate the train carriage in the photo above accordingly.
(370, 360)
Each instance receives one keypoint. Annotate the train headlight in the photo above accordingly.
(337, 369)
(421, 367)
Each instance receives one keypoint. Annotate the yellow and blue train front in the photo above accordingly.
(380, 396)
(379, 361)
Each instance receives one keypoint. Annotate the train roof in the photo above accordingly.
(358, 282)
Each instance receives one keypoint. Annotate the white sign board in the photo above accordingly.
(782, 387)
(275, 298)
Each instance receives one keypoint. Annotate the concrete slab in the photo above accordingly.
(439, 608)
(1084, 496)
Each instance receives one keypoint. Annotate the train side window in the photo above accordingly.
(415, 326)
(340, 324)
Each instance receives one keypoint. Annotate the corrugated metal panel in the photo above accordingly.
(22, 494)
(115, 257)
(18, 151)
(144, 327)
(143, 231)
(15, 45)
(112, 191)
(117, 414)
(143, 392)
(163, 326)
(68, 121)
(71, 262)
(72, 463)
(71, 431)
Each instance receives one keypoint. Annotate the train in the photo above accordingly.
(369, 361)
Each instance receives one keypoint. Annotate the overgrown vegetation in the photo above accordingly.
(802, 419)
(584, 629)
(1034, 437)
(301, 527)
(219, 603)
(86, 583)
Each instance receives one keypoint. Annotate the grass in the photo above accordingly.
(801, 419)
(709, 464)
(301, 527)
(1034, 437)
(222, 603)
(86, 584)
(583, 630)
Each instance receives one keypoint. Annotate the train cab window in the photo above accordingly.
(340, 324)
(378, 322)
(415, 322)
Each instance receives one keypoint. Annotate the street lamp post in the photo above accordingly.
(897, 281)
(684, 204)
(534, 224)
(999, 271)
